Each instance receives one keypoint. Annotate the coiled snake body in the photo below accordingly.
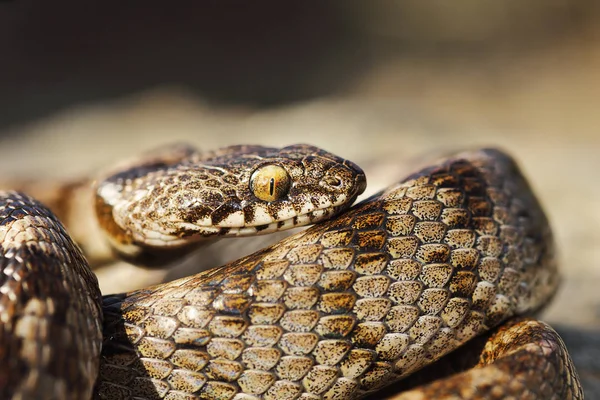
(335, 312)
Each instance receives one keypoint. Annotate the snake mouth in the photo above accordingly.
(299, 220)
(189, 233)
(263, 221)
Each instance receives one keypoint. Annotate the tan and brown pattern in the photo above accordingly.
(356, 303)
(157, 206)
(176, 195)
(523, 359)
(50, 313)
(336, 312)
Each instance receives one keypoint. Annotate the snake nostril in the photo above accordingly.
(334, 181)
(360, 178)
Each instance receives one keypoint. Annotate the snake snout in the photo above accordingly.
(345, 178)
(360, 179)
(361, 183)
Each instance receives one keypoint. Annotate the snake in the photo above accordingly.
(428, 289)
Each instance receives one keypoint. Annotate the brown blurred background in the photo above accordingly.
(83, 85)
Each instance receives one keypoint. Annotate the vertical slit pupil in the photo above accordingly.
(272, 186)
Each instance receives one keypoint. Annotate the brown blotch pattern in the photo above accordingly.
(350, 305)
(177, 195)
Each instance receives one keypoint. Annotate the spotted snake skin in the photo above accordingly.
(338, 311)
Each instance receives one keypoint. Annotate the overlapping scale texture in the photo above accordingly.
(50, 329)
(347, 306)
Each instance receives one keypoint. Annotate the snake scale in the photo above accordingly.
(361, 301)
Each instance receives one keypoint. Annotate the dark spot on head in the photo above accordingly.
(274, 208)
(261, 227)
(249, 212)
(213, 183)
(193, 185)
(224, 211)
(231, 179)
(195, 213)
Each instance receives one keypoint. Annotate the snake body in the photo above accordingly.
(338, 311)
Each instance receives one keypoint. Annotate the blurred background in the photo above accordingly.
(382, 83)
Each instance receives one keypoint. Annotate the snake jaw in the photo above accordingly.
(155, 238)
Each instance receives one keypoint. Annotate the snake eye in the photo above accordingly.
(270, 183)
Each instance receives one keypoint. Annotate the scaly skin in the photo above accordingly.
(336, 312)
(359, 302)
(50, 304)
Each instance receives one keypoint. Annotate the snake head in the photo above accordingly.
(179, 196)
